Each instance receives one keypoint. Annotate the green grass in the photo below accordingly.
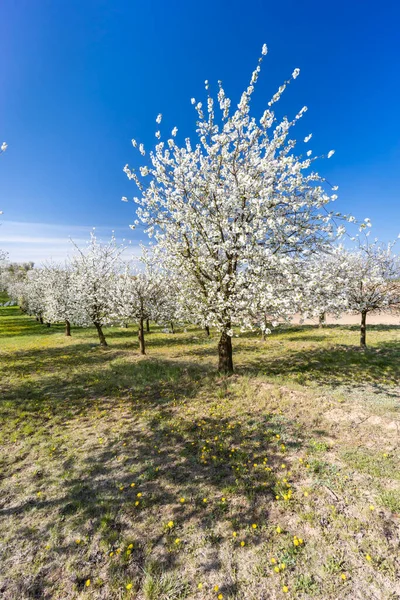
(144, 475)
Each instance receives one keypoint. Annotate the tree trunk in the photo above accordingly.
(47, 324)
(207, 330)
(225, 362)
(322, 319)
(101, 335)
(172, 327)
(363, 335)
(141, 336)
(67, 328)
(147, 325)
(41, 320)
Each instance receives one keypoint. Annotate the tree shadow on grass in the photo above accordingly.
(334, 366)
(13, 323)
(169, 450)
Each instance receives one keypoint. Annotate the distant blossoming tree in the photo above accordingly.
(322, 285)
(138, 294)
(232, 207)
(61, 299)
(373, 282)
(94, 271)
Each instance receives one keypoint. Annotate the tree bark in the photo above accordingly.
(67, 328)
(141, 337)
(147, 325)
(207, 330)
(225, 361)
(100, 333)
(322, 319)
(172, 327)
(363, 333)
(47, 324)
(41, 320)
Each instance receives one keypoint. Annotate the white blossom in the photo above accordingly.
(231, 214)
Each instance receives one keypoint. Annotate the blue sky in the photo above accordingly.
(79, 79)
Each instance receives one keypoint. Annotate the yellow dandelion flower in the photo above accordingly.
(78, 541)
(343, 576)
(372, 507)
(177, 541)
(242, 543)
(139, 495)
(137, 503)
(200, 586)
(368, 557)
(216, 588)
(285, 589)
(306, 494)
(130, 546)
(234, 534)
(273, 560)
(301, 541)
(205, 500)
(296, 542)
(182, 500)
(283, 466)
(128, 586)
(223, 499)
(254, 526)
(121, 487)
(87, 582)
(276, 569)
(133, 484)
(278, 529)
(170, 524)
(111, 554)
(220, 596)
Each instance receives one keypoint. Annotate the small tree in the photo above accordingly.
(33, 291)
(373, 282)
(60, 296)
(232, 207)
(322, 284)
(94, 271)
(140, 295)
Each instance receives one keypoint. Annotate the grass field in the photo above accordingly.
(155, 478)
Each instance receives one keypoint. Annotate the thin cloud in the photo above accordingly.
(41, 242)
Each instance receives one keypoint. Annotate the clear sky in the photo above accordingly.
(79, 79)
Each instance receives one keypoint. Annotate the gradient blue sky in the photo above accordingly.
(79, 79)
